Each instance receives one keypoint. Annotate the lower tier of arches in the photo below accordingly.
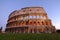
(42, 29)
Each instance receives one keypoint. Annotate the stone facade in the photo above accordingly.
(29, 20)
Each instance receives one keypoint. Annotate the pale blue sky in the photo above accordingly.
(52, 8)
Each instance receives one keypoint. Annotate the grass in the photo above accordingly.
(10, 36)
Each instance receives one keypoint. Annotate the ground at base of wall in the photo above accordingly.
(10, 36)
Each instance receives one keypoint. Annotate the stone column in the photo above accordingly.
(33, 30)
(32, 25)
(37, 23)
(28, 26)
(29, 30)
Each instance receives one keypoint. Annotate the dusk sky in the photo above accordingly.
(52, 8)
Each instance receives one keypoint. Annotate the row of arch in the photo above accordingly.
(35, 30)
(35, 23)
(27, 17)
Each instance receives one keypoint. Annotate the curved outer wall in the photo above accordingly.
(29, 20)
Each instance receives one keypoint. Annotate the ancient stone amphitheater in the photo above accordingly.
(29, 20)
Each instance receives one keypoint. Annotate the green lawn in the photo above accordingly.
(29, 36)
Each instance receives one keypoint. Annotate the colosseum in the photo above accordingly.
(29, 20)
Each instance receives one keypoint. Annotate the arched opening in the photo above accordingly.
(34, 22)
(44, 17)
(42, 30)
(27, 23)
(30, 17)
(30, 30)
(38, 23)
(42, 23)
(35, 30)
(26, 30)
(39, 30)
(38, 16)
(22, 23)
(34, 16)
(26, 17)
(31, 23)
(18, 23)
(47, 28)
